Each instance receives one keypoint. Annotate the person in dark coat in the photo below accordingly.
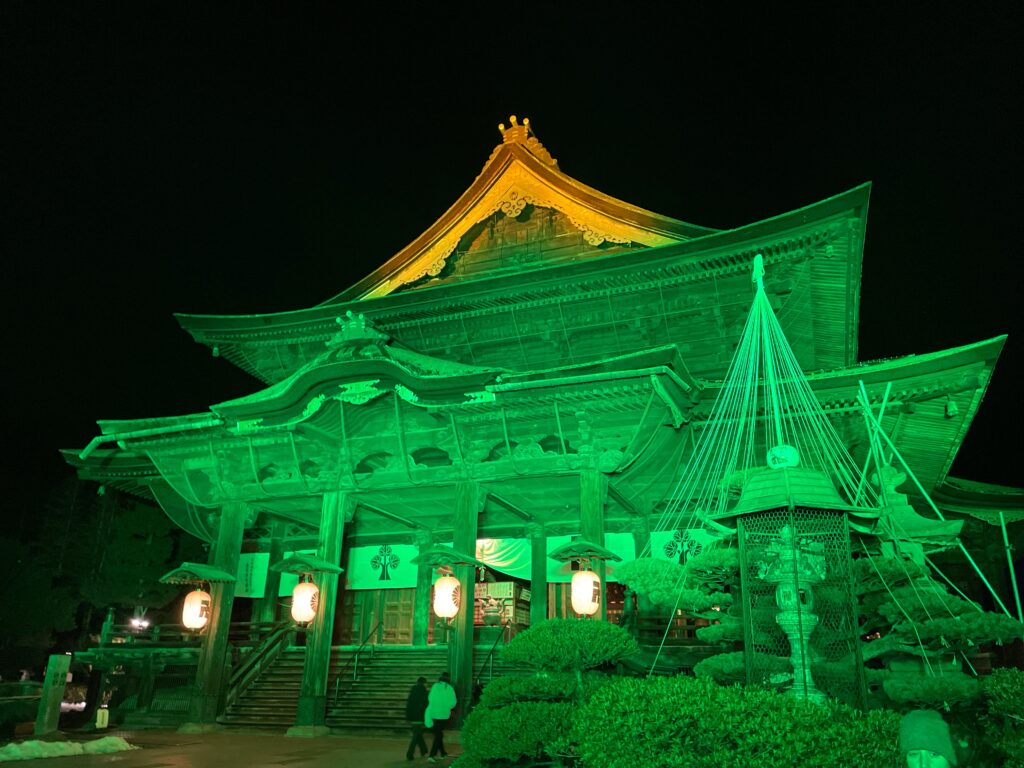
(415, 706)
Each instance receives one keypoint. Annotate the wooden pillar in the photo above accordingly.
(469, 501)
(641, 531)
(211, 671)
(268, 604)
(593, 494)
(421, 611)
(538, 574)
(312, 708)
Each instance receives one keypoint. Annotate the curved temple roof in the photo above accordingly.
(488, 260)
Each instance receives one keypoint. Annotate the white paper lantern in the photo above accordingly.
(586, 592)
(305, 599)
(195, 613)
(446, 597)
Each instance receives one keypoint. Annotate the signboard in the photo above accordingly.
(252, 574)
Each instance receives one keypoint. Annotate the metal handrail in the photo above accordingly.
(489, 659)
(354, 661)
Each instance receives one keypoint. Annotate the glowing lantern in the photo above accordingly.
(446, 597)
(195, 614)
(305, 598)
(586, 592)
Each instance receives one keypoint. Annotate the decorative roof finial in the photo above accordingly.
(522, 133)
(515, 132)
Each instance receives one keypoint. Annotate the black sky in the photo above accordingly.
(244, 162)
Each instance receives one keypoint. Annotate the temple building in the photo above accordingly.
(534, 368)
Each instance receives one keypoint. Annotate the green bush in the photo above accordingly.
(1003, 717)
(921, 603)
(729, 630)
(970, 629)
(729, 668)
(657, 580)
(714, 568)
(542, 686)
(937, 692)
(685, 723)
(569, 644)
(893, 571)
(521, 731)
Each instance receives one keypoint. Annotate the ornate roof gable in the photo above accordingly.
(520, 175)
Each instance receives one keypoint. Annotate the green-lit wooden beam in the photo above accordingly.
(469, 502)
(211, 670)
(421, 609)
(538, 574)
(631, 508)
(519, 512)
(312, 708)
(268, 603)
(390, 516)
(593, 495)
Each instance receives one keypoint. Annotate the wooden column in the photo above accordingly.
(469, 501)
(268, 604)
(212, 670)
(593, 494)
(421, 611)
(538, 574)
(641, 531)
(312, 709)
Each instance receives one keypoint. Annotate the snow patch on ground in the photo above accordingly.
(30, 750)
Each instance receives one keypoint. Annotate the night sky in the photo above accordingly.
(234, 162)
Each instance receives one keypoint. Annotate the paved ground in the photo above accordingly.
(168, 749)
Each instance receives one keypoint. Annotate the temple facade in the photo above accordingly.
(534, 368)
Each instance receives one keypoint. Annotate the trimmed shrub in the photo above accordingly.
(669, 584)
(686, 723)
(948, 689)
(542, 686)
(729, 630)
(570, 645)
(969, 629)
(1003, 718)
(526, 730)
(730, 668)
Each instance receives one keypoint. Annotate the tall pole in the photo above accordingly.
(593, 494)
(538, 574)
(268, 605)
(311, 715)
(211, 671)
(1009, 562)
(421, 602)
(469, 501)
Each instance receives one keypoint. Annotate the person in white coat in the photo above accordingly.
(440, 703)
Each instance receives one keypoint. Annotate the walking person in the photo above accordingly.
(440, 703)
(415, 708)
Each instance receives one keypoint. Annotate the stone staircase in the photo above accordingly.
(373, 701)
(272, 700)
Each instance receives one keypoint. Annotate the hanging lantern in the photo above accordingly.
(305, 599)
(586, 592)
(446, 597)
(195, 613)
